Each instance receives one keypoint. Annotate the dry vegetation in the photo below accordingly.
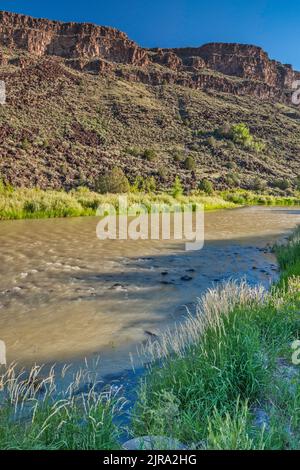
(62, 128)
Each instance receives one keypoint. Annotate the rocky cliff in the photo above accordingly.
(98, 49)
(82, 99)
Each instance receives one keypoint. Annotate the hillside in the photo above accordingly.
(83, 98)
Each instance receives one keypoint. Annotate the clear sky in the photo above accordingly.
(272, 24)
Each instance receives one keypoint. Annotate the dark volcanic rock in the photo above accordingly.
(97, 49)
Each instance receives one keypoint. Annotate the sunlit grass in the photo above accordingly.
(35, 414)
(34, 203)
(206, 379)
(24, 203)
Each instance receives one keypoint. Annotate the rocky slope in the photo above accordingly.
(80, 95)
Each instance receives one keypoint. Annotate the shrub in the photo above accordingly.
(178, 157)
(134, 151)
(241, 135)
(189, 163)
(224, 131)
(150, 184)
(150, 155)
(177, 188)
(232, 179)
(212, 142)
(259, 184)
(114, 181)
(282, 184)
(162, 173)
(206, 186)
(141, 184)
(25, 144)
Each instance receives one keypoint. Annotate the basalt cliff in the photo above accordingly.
(80, 95)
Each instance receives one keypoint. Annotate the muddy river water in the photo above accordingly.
(65, 295)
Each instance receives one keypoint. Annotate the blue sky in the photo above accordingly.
(272, 24)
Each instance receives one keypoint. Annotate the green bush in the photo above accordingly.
(206, 186)
(232, 179)
(241, 135)
(212, 142)
(189, 163)
(259, 184)
(25, 145)
(177, 188)
(150, 155)
(162, 173)
(282, 184)
(134, 151)
(146, 185)
(178, 156)
(114, 181)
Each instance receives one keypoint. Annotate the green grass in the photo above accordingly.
(34, 415)
(35, 203)
(26, 203)
(251, 198)
(206, 380)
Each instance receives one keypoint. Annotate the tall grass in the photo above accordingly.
(207, 379)
(34, 414)
(243, 197)
(34, 203)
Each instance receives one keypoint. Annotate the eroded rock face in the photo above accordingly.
(103, 50)
(68, 40)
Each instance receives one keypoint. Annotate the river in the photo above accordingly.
(65, 295)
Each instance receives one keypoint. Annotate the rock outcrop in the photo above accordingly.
(101, 50)
(69, 40)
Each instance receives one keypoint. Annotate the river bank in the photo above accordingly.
(25, 203)
(229, 378)
(225, 380)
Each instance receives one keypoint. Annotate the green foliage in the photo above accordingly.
(207, 392)
(177, 189)
(134, 151)
(25, 145)
(55, 421)
(232, 431)
(114, 181)
(206, 186)
(232, 180)
(259, 184)
(241, 135)
(150, 155)
(178, 156)
(162, 173)
(5, 188)
(282, 184)
(189, 163)
(146, 185)
(212, 142)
